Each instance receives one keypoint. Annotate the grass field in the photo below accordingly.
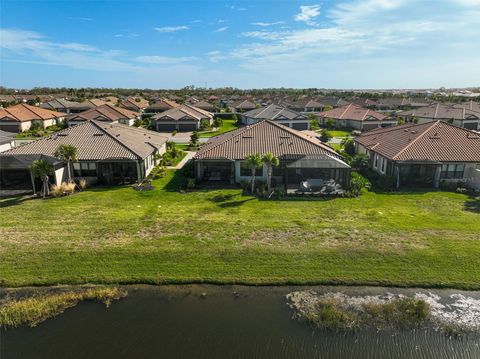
(227, 126)
(119, 235)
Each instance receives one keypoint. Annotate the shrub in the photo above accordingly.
(325, 136)
(69, 187)
(157, 172)
(314, 125)
(360, 162)
(217, 122)
(357, 184)
(57, 190)
(174, 132)
(82, 184)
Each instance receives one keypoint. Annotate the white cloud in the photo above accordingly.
(216, 56)
(127, 35)
(307, 14)
(163, 60)
(168, 29)
(221, 29)
(266, 24)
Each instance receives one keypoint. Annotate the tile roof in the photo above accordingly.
(163, 104)
(97, 140)
(131, 102)
(106, 112)
(469, 105)
(263, 137)
(60, 103)
(439, 111)
(431, 141)
(243, 105)
(352, 112)
(23, 112)
(274, 112)
(183, 111)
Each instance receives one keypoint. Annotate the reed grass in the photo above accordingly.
(36, 309)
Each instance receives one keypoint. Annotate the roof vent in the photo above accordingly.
(247, 136)
(62, 134)
(98, 134)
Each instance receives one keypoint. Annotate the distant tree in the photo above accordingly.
(325, 136)
(68, 154)
(270, 160)
(42, 169)
(254, 161)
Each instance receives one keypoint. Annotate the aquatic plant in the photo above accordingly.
(36, 309)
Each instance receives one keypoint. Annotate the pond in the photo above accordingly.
(218, 322)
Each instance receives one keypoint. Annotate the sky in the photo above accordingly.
(344, 44)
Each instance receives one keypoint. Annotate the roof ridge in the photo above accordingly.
(416, 139)
(263, 110)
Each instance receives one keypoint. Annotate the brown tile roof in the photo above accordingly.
(133, 103)
(431, 141)
(106, 112)
(352, 112)
(23, 112)
(263, 137)
(439, 111)
(243, 105)
(97, 140)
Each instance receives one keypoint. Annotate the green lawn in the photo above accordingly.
(227, 126)
(119, 235)
(339, 133)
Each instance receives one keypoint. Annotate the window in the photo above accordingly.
(375, 165)
(245, 171)
(85, 169)
(384, 165)
(452, 171)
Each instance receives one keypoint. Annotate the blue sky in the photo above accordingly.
(245, 44)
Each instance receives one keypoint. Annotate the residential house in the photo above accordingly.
(302, 158)
(242, 106)
(136, 104)
(105, 113)
(469, 105)
(159, 106)
(424, 154)
(88, 104)
(107, 153)
(399, 104)
(355, 117)
(182, 118)
(278, 114)
(206, 106)
(305, 105)
(461, 117)
(332, 101)
(62, 105)
(19, 118)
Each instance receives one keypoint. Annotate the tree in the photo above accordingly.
(194, 139)
(330, 123)
(42, 169)
(360, 162)
(270, 160)
(325, 136)
(67, 153)
(348, 146)
(253, 162)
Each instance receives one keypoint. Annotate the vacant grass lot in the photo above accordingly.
(119, 235)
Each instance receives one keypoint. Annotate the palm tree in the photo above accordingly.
(253, 162)
(270, 160)
(42, 169)
(67, 153)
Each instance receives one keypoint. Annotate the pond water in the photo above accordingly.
(216, 322)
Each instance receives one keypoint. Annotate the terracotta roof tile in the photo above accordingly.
(23, 112)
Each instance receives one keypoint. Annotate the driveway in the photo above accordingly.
(181, 137)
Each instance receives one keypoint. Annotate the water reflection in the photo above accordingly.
(227, 322)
